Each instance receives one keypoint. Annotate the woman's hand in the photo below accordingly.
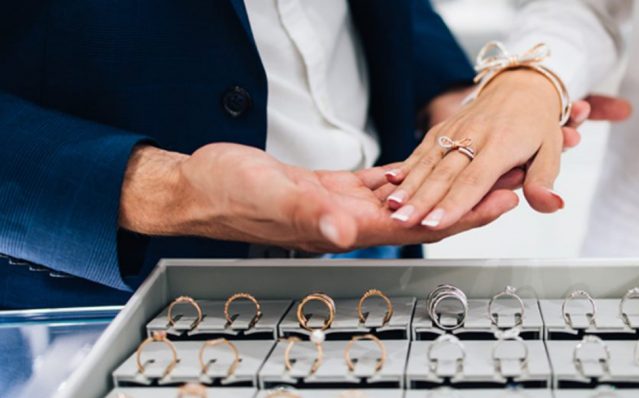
(515, 119)
(234, 192)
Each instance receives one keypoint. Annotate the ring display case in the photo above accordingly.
(366, 330)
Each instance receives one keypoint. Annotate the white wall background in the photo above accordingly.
(523, 232)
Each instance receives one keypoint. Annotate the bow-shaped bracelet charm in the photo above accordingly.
(486, 64)
(490, 66)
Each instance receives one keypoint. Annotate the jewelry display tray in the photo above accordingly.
(278, 279)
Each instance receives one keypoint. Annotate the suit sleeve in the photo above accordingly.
(61, 181)
(439, 61)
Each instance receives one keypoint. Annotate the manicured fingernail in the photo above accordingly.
(328, 229)
(398, 197)
(404, 213)
(558, 197)
(392, 173)
(433, 218)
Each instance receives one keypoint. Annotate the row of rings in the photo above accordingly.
(303, 320)
(435, 298)
(288, 361)
(161, 337)
(449, 339)
(582, 294)
(587, 340)
(442, 340)
(227, 309)
(330, 304)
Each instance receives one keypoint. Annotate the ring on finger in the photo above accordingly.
(463, 146)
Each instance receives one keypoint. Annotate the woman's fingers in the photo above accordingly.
(467, 189)
(540, 179)
(396, 175)
(415, 178)
(431, 189)
(375, 177)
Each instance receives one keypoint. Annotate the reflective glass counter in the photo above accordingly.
(41, 348)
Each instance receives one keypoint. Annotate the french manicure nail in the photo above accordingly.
(328, 229)
(398, 197)
(392, 173)
(404, 213)
(558, 197)
(433, 218)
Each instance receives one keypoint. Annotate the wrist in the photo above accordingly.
(152, 199)
(533, 84)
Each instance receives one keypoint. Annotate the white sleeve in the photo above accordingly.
(584, 36)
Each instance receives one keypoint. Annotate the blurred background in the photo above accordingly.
(523, 232)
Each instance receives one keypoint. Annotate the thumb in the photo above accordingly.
(540, 179)
(319, 218)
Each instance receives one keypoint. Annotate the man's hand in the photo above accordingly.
(234, 192)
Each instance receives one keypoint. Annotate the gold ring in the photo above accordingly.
(185, 300)
(287, 355)
(244, 296)
(347, 351)
(221, 341)
(323, 298)
(370, 293)
(192, 390)
(157, 337)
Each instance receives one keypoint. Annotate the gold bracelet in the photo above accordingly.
(488, 67)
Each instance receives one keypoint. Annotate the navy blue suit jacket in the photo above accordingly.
(83, 81)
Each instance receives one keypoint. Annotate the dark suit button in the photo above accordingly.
(236, 101)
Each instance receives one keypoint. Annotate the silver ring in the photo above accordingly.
(443, 340)
(508, 292)
(589, 339)
(441, 293)
(577, 294)
(498, 343)
(468, 151)
(630, 294)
